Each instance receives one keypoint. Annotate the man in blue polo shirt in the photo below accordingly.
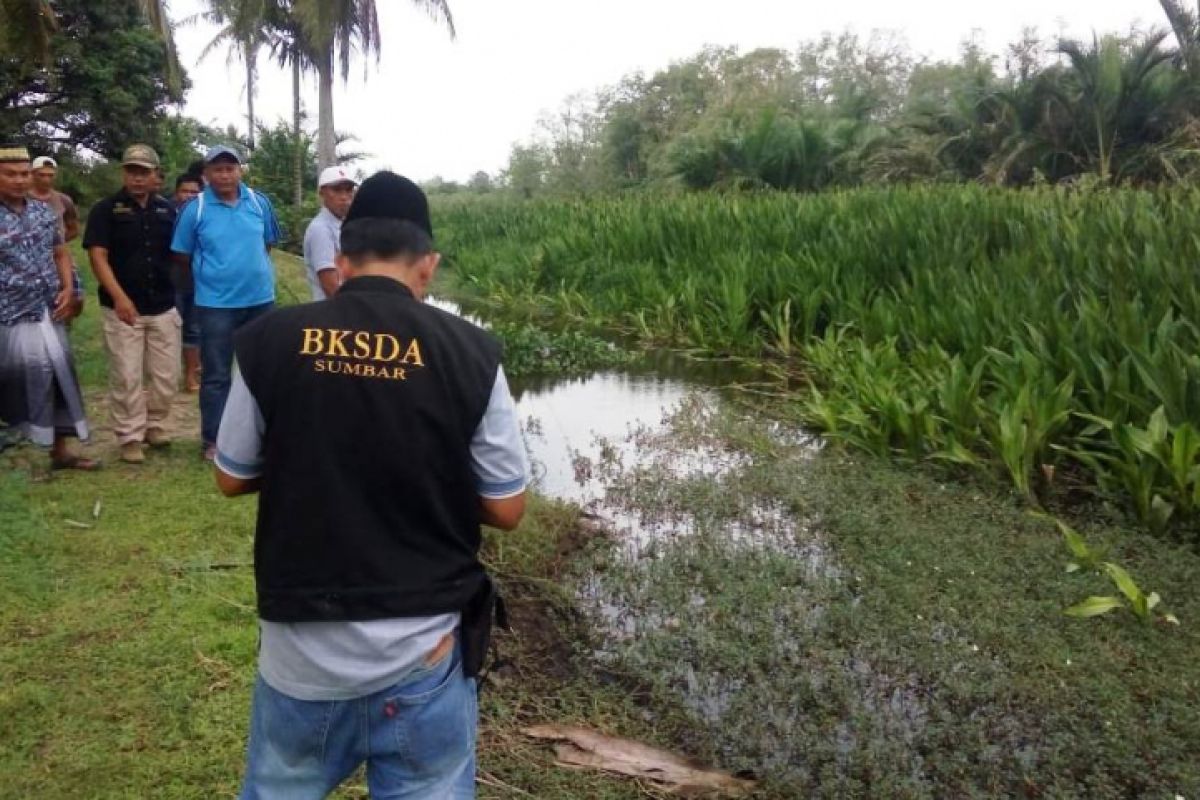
(223, 238)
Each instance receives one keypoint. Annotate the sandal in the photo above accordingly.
(81, 463)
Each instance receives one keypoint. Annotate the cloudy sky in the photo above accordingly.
(433, 106)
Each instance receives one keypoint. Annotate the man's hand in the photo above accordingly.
(76, 306)
(62, 304)
(125, 310)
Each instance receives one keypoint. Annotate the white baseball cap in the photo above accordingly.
(332, 175)
(44, 161)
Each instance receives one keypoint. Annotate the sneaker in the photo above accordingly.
(156, 437)
(209, 452)
(132, 453)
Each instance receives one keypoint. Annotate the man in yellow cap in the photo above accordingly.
(128, 240)
(39, 393)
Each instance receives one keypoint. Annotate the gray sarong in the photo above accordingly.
(39, 393)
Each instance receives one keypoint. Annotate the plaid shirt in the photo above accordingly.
(28, 274)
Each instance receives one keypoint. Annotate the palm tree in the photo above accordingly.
(334, 28)
(1186, 27)
(26, 28)
(239, 26)
(1108, 87)
(289, 47)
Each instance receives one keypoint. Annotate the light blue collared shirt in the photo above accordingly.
(231, 265)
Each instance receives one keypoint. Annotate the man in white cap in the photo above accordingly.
(45, 172)
(336, 188)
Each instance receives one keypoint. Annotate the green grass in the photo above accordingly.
(127, 659)
(897, 635)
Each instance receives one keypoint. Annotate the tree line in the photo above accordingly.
(846, 111)
(85, 77)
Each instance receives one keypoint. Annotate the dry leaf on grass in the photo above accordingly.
(580, 747)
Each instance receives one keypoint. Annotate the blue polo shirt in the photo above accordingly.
(228, 245)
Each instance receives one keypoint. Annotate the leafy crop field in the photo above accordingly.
(1046, 335)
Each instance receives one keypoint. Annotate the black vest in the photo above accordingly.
(368, 507)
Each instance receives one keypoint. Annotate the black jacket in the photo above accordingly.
(368, 507)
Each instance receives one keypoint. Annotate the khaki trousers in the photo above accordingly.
(143, 372)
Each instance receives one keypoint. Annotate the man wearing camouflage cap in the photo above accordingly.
(128, 240)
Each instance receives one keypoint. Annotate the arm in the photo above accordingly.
(76, 294)
(320, 255)
(330, 281)
(272, 231)
(183, 241)
(65, 297)
(70, 218)
(122, 305)
(184, 262)
(499, 462)
(239, 462)
(231, 486)
(505, 513)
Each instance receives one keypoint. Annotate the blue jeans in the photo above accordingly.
(417, 738)
(186, 303)
(217, 327)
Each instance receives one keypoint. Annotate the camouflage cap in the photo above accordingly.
(140, 155)
(10, 153)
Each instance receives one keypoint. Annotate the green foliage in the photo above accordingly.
(106, 86)
(911, 644)
(1036, 334)
(843, 112)
(272, 170)
(274, 159)
(530, 350)
(26, 29)
(1093, 560)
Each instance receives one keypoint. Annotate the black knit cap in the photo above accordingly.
(387, 195)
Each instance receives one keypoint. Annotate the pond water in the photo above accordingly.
(568, 420)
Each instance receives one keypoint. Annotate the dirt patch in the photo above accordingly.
(544, 622)
(183, 424)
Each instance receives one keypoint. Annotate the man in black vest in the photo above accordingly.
(128, 241)
(368, 523)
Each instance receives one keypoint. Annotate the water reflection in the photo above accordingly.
(569, 419)
(566, 418)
